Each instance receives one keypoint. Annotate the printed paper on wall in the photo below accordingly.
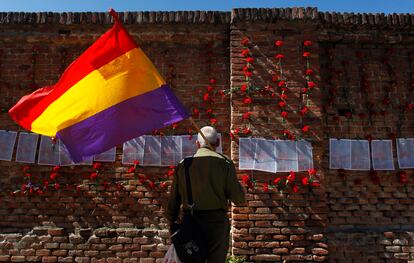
(108, 156)
(286, 156)
(305, 156)
(152, 151)
(382, 158)
(265, 156)
(49, 153)
(246, 153)
(133, 150)
(7, 141)
(405, 153)
(339, 154)
(360, 155)
(170, 150)
(26, 147)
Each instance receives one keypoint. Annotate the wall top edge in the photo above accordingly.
(308, 14)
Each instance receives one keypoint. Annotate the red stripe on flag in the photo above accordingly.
(109, 46)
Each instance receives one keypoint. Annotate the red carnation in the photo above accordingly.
(246, 131)
(277, 180)
(311, 84)
(131, 169)
(402, 177)
(245, 68)
(245, 52)
(265, 187)
(174, 126)
(295, 188)
(312, 171)
(315, 184)
(244, 41)
(309, 72)
(196, 112)
(307, 43)
(283, 96)
(305, 128)
(170, 172)
(209, 111)
(25, 168)
(53, 176)
(280, 56)
(282, 104)
(306, 54)
(248, 74)
(243, 87)
(281, 83)
(28, 174)
(284, 114)
(206, 97)
(278, 43)
(213, 81)
(249, 60)
(303, 111)
(247, 100)
(246, 115)
(275, 78)
(210, 88)
(97, 166)
(291, 177)
(93, 176)
(305, 180)
(151, 184)
(57, 186)
(213, 121)
(56, 168)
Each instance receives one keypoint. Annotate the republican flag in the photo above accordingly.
(110, 94)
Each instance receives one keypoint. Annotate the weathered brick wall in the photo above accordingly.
(366, 69)
(118, 216)
(362, 66)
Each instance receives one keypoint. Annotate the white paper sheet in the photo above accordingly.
(49, 153)
(170, 150)
(152, 151)
(265, 156)
(286, 156)
(246, 153)
(7, 141)
(382, 158)
(305, 155)
(360, 155)
(339, 154)
(108, 156)
(26, 147)
(133, 150)
(405, 153)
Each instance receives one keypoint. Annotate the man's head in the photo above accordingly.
(211, 135)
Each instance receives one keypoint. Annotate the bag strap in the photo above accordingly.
(187, 163)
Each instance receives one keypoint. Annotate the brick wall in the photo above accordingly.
(362, 66)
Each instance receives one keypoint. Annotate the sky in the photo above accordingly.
(368, 6)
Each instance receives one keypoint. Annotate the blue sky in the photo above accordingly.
(374, 6)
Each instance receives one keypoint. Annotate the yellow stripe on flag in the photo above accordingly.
(127, 76)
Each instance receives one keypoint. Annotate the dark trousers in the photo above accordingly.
(216, 228)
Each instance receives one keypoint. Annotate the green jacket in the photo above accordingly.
(213, 183)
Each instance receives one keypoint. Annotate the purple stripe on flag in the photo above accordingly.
(124, 121)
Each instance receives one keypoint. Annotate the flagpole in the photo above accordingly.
(201, 133)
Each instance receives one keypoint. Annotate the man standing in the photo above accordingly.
(213, 183)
